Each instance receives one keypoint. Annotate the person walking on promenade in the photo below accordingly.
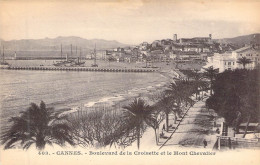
(229, 143)
(205, 143)
(217, 130)
(163, 128)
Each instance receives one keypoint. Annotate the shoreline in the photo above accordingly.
(120, 100)
(114, 96)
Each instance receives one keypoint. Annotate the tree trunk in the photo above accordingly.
(138, 136)
(175, 112)
(40, 143)
(175, 117)
(210, 88)
(247, 126)
(211, 83)
(167, 122)
(156, 137)
(237, 128)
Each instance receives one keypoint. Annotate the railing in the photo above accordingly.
(235, 142)
(238, 139)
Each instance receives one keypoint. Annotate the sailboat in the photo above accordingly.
(79, 62)
(62, 63)
(59, 63)
(95, 58)
(3, 63)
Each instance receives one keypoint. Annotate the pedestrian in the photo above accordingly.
(229, 143)
(205, 143)
(217, 130)
(163, 128)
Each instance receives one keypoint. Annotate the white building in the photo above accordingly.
(250, 53)
(228, 60)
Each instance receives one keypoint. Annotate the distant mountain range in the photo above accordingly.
(50, 47)
(54, 44)
(48, 44)
(241, 40)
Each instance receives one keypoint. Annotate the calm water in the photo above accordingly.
(62, 89)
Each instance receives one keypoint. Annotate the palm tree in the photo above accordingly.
(167, 105)
(37, 125)
(193, 83)
(155, 121)
(178, 92)
(199, 83)
(189, 88)
(138, 114)
(210, 73)
(244, 61)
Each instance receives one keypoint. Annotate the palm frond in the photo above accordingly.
(38, 124)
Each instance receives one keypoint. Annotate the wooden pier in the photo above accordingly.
(90, 69)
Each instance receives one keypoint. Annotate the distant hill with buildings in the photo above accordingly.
(240, 41)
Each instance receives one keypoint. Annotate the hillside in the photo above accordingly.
(241, 40)
(54, 44)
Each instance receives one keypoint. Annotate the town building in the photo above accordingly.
(228, 60)
(197, 48)
(185, 56)
(195, 40)
(250, 53)
(196, 44)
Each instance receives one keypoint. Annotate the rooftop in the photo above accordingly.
(243, 49)
(250, 124)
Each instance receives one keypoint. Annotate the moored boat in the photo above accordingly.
(4, 64)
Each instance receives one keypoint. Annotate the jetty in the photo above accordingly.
(90, 69)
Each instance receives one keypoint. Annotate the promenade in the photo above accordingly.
(197, 125)
(191, 130)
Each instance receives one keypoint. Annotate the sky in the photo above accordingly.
(128, 21)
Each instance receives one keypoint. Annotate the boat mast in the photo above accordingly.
(80, 54)
(71, 50)
(3, 54)
(95, 55)
(61, 51)
(76, 51)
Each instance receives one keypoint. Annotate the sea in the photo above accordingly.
(68, 90)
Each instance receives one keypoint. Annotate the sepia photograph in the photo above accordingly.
(123, 82)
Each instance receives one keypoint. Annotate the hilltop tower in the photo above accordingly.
(175, 37)
(210, 36)
(254, 42)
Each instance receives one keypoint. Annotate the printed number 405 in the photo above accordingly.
(43, 153)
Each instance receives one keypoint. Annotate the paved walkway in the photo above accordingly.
(196, 126)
